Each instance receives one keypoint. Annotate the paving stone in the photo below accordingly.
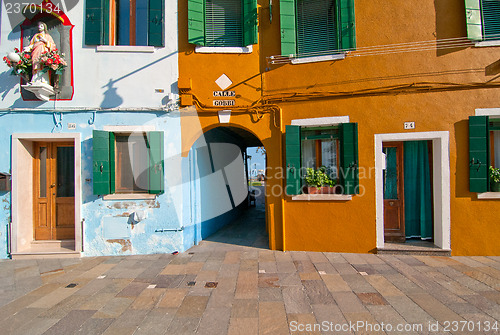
(383, 286)
(325, 268)
(295, 300)
(247, 285)
(94, 326)
(215, 321)
(243, 326)
(268, 280)
(249, 265)
(331, 314)
(348, 302)
(61, 309)
(285, 267)
(183, 326)
(155, 323)
(353, 258)
(192, 306)
(270, 294)
(335, 283)
(268, 267)
(114, 308)
(372, 299)
(245, 308)
(317, 292)
(232, 257)
(148, 299)
(388, 316)
(97, 301)
(358, 283)
(168, 281)
(53, 298)
(303, 324)
(272, 318)
(228, 271)
(11, 324)
(70, 323)
(344, 268)
(220, 299)
(409, 310)
(36, 326)
(130, 318)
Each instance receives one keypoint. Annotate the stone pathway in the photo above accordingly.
(231, 284)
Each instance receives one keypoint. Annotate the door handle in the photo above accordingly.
(53, 185)
(391, 203)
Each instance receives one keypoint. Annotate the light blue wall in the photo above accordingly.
(217, 184)
(107, 231)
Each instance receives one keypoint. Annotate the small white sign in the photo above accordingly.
(223, 103)
(409, 125)
(71, 125)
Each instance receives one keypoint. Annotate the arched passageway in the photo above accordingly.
(227, 201)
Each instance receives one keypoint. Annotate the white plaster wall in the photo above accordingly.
(134, 75)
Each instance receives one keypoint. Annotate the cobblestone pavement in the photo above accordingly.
(254, 291)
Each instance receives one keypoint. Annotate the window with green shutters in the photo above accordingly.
(127, 163)
(483, 19)
(334, 148)
(484, 151)
(222, 23)
(317, 27)
(124, 22)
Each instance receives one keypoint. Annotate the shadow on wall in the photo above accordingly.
(462, 163)
(7, 83)
(450, 23)
(111, 97)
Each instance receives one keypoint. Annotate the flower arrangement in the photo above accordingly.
(318, 178)
(495, 174)
(53, 61)
(20, 62)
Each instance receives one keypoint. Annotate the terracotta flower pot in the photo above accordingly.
(495, 187)
(321, 190)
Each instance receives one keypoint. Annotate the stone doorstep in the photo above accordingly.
(414, 252)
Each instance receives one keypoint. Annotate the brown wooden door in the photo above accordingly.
(54, 191)
(394, 222)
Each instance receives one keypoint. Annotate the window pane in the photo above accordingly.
(223, 23)
(329, 157)
(316, 26)
(123, 21)
(43, 172)
(141, 23)
(132, 164)
(391, 174)
(308, 153)
(65, 172)
(496, 145)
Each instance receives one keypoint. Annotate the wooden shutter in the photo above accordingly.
(478, 153)
(491, 19)
(316, 27)
(250, 30)
(156, 23)
(196, 22)
(287, 24)
(349, 173)
(156, 168)
(293, 161)
(347, 35)
(473, 20)
(101, 162)
(96, 22)
(223, 23)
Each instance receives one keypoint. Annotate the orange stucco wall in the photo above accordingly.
(437, 88)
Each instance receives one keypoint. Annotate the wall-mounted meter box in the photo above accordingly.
(4, 182)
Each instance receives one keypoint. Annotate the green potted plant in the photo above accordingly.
(494, 179)
(318, 182)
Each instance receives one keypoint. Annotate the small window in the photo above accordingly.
(127, 163)
(312, 28)
(333, 148)
(483, 19)
(222, 23)
(319, 149)
(124, 22)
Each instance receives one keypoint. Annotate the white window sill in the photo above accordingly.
(224, 50)
(306, 60)
(325, 197)
(487, 44)
(125, 48)
(488, 195)
(129, 196)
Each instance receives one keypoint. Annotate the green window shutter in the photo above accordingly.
(288, 27)
(196, 22)
(156, 174)
(155, 23)
(478, 153)
(293, 160)
(101, 162)
(96, 22)
(112, 165)
(316, 27)
(473, 20)
(349, 173)
(250, 31)
(491, 19)
(347, 34)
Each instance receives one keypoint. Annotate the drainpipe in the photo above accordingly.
(82, 227)
(9, 242)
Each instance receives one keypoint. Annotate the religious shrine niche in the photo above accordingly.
(46, 35)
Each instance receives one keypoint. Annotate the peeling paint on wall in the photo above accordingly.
(126, 244)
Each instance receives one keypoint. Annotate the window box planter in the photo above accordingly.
(323, 190)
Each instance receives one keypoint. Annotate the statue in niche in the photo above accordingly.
(40, 44)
